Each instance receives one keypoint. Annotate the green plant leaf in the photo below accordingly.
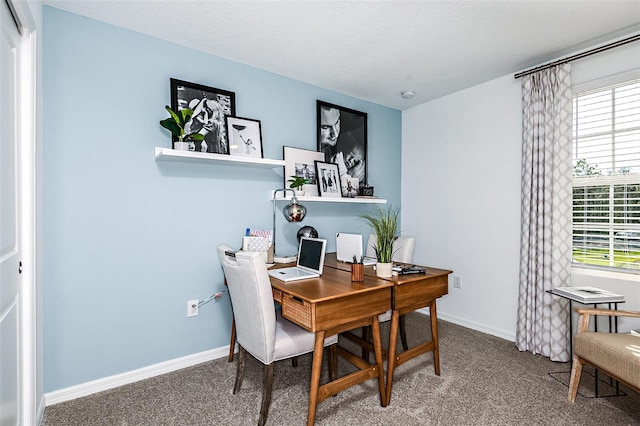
(170, 124)
(194, 137)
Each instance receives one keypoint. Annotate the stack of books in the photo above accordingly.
(588, 295)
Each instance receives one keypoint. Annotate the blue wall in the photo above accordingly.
(128, 240)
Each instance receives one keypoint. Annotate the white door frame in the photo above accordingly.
(28, 410)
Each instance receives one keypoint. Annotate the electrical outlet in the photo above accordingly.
(192, 308)
(456, 281)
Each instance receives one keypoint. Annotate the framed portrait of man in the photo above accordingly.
(210, 107)
(342, 137)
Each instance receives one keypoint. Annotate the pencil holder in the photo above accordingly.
(357, 272)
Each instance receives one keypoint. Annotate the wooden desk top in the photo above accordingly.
(330, 261)
(334, 283)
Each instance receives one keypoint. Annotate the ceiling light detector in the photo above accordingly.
(408, 94)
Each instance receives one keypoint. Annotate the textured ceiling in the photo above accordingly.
(374, 50)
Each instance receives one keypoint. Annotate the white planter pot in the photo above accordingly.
(299, 193)
(181, 146)
(384, 270)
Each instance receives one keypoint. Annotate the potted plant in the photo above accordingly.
(175, 124)
(296, 183)
(384, 224)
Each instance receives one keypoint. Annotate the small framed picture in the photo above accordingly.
(350, 188)
(245, 137)
(301, 163)
(328, 179)
(210, 107)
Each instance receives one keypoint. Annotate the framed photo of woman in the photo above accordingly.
(210, 107)
(245, 137)
(328, 179)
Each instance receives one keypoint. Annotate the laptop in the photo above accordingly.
(310, 261)
(349, 245)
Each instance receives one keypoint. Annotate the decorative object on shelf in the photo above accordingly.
(384, 224)
(366, 191)
(245, 137)
(297, 183)
(293, 212)
(328, 179)
(300, 162)
(352, 188)
(342, 137)
(209, 106)
(307, 231)
(175, 124)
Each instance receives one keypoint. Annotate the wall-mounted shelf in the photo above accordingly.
(306, 198)
(168, 154)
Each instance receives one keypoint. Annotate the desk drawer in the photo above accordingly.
(297, 311)
(277, 295)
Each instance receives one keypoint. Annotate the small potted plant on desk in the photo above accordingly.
(296, 183)
(384, 225)
(175, 124)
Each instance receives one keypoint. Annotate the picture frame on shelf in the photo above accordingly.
(342, 137)
(328, 178)
(245, 136)
(210, 107)
(301, 162)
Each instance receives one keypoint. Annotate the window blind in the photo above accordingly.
(606, 177)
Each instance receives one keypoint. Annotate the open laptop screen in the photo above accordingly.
(311, 253)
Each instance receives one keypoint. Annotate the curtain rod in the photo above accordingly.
(579, 55)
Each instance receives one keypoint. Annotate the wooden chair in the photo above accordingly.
(615, 354)
(260, 330)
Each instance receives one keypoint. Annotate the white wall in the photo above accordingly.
(461, 196)
(461, 161)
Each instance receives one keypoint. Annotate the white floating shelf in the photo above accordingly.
(306, 198)
(168, 154)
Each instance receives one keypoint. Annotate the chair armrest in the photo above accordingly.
(585, 313)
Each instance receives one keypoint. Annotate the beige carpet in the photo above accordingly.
(484, 380)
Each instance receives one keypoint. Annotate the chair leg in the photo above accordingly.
(267, 384)
(232, 343)
(239, 369)
(574, 382)
(403, 333)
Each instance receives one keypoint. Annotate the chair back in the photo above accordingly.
(252, 299)
(402, 248)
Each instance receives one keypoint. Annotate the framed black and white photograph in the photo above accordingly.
(328, 179)
(301, 163)
(342, 137)
(210, 107)
(245, 137)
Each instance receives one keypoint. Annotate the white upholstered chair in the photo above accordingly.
(402, 252)
(260, 330)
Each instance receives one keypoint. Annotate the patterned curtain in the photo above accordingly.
(545, 244)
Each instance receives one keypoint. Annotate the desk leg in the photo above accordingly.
(434, 337)
(391, 359)
(377, 347)
(316, 369)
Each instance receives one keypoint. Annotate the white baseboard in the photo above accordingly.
(472, 325)
(40, 412)
(99, 385)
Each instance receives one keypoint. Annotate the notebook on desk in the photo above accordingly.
(310, 261)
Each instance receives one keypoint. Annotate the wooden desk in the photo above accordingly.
(410, 293)
(330, 305)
